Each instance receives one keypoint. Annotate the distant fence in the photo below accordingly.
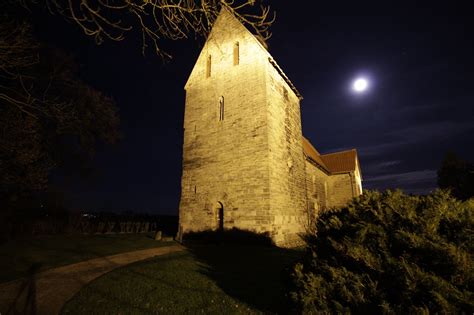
(81, 224)
(111, 227)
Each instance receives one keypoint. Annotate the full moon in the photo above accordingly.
(360, 85)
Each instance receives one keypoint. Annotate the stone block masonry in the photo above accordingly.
(244, 165)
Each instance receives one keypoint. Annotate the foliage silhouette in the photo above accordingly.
(50, 118)
(389, 253)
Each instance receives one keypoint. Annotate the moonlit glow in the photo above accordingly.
(360, 85)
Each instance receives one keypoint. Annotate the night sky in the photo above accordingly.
(419, 60)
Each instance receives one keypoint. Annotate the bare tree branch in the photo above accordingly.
(17, 49)
(158, 20)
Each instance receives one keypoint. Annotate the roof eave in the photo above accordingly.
(321, 167)
(285, 77)
(341, 172)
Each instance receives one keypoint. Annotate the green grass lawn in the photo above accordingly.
(17, 257)
(217, 279)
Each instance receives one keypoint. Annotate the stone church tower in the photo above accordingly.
(244, 164)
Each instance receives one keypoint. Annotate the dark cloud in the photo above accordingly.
(402, 179)
(382, 167)
(412, 182)
(432, 130)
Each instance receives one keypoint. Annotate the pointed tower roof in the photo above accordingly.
(227, 22)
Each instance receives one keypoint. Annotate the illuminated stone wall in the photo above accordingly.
(225, 161)
(357, 180)
(341, 189)
(316, 188)
(242, 152)
(251, 161)
(287, 169)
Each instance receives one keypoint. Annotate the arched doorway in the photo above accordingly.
(220, 216)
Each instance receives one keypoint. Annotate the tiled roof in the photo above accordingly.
(337, 162)
(344, 161)
(311, 152)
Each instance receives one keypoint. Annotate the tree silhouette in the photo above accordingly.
(49, 118)
(457, 175)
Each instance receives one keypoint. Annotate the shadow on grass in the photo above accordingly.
(60, 250)
(26, 292)
(245, 265)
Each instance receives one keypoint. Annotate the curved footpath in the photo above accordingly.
(46, 292)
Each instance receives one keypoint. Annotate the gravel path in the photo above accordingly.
(46, 292)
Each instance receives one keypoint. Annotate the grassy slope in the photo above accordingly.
(211, 279)
(17, 257)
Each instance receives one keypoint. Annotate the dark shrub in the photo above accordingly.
(389, 253)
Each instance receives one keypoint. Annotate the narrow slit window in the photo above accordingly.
(221, 108)
(236, 53)
(208, 66)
